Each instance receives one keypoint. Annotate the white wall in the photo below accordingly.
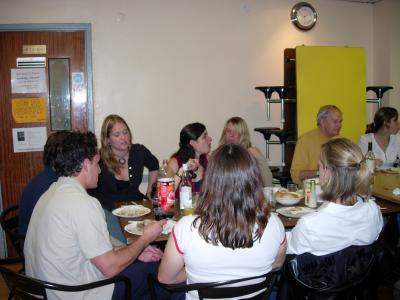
(386, 46)
(162, 64)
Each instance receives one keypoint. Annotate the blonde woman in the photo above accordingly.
(348, 217)
(122, 164)
(236, 131)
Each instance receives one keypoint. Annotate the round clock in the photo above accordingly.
(303, 16)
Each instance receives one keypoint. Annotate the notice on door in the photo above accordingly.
(30, 80)
(29, 110)
(29, 139)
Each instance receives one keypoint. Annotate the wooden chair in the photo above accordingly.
(221, 289)
(25, 287)
(9, 222)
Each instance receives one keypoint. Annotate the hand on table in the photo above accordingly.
(150, 253)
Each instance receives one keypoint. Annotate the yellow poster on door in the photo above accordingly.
(29, 110)
(331, 75)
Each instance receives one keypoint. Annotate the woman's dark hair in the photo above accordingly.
(382, 116)
(186, 151)
(76, 147)
(231, 206)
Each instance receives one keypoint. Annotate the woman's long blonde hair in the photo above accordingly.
(241, 128)
(349, 175)
(105, 151)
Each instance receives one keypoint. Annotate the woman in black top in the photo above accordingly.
(122, 164)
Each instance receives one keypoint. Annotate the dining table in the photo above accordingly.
(384, 183)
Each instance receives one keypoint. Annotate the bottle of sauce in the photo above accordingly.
(312, 200)
(165, 187)
(370, 158)
(185, 192)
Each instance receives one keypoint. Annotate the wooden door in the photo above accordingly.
(16, 169)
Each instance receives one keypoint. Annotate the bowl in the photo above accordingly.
(289, 200)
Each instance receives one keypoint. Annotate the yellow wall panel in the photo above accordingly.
(331, 75)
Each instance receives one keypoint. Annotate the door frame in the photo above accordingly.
(59, 27)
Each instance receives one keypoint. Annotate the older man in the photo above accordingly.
(67, 240)
(308, 147)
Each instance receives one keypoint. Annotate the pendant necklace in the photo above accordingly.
(121, 159)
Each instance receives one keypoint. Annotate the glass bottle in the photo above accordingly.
(312, 200)
(165, 187)
(370, 158)
(185, 191)
(397, 162)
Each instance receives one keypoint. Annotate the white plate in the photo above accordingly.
(391, 170)
(288, 201)
(294, 211)
(131, 211)
(136, 227)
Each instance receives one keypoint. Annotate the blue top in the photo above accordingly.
(31, 194)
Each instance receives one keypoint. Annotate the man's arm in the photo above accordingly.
(301, 164)
(114, 261)
(305, 174)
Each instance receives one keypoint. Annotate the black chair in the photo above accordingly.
(9, 222)
(221, 289)
(25, 287)
(344, 274)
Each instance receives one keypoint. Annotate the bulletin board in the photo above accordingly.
(331, 75)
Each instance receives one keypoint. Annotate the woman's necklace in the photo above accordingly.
(122, 159)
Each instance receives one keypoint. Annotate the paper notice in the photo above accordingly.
(29, 110)
(29, 139)
(29, 80)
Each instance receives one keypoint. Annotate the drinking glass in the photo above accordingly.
(269, 197)
(291, 187)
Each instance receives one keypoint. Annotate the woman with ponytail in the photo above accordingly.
(382, 133)
(194, 148)
(348, 217)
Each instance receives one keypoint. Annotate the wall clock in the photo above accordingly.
(303, 15)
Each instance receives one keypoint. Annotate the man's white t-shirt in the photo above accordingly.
(67, 229)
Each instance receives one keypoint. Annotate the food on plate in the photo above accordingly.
(296, 210)
(293, 195)
(136, 227)
(131, 211)
(393, 169)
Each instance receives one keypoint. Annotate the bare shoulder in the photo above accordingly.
(173, 164)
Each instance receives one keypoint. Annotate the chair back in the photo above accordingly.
(9, 222)
(25, 287)
(222, 289)
(334, 275)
